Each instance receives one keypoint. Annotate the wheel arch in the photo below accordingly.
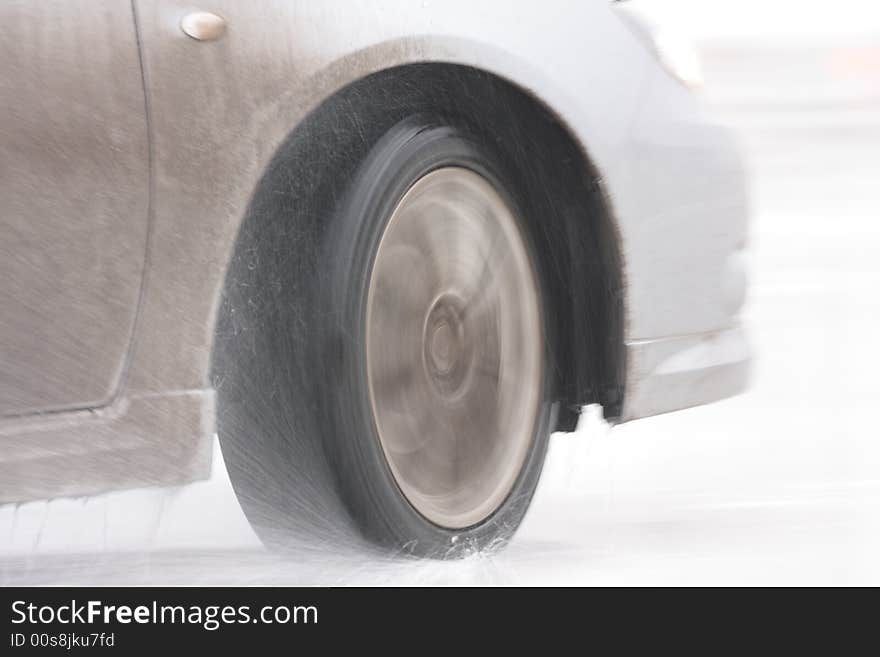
(579, 244)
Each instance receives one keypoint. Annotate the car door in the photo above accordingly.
(74, 190)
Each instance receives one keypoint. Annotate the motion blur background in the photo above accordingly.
(778, 486)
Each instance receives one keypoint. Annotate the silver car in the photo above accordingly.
(380, 249)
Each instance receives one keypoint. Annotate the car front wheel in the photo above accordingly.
(436, 410)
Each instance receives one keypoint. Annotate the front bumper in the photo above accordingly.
(669, 374)
(681, 198)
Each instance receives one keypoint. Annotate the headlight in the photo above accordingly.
(674, 51)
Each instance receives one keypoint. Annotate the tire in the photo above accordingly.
(297, 409)
(446, 459)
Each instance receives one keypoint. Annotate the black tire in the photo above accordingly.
(295, 426)
(406, 153)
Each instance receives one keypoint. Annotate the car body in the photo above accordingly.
(131, 150)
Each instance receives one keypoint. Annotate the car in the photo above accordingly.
(381, 250)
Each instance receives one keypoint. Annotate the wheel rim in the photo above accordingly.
(454, 347)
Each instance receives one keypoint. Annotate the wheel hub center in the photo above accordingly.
(446, 351)
(443, 347)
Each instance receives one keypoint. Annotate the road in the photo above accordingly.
(778, 486)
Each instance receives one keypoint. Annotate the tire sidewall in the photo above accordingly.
(407, 152)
